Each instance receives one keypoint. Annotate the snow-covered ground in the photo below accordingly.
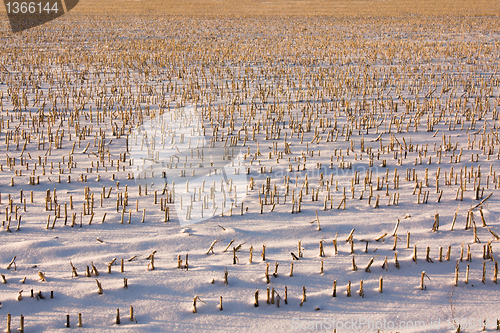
(318, 109)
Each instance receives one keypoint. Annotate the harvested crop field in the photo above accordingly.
(244, 165)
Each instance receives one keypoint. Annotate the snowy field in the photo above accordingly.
(341, 167)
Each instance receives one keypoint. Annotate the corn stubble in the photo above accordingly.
(356, 81)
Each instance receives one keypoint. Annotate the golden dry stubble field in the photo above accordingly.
(326, 74)
(295, 8)
(336, 8)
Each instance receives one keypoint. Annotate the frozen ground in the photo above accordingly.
(264, 102)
